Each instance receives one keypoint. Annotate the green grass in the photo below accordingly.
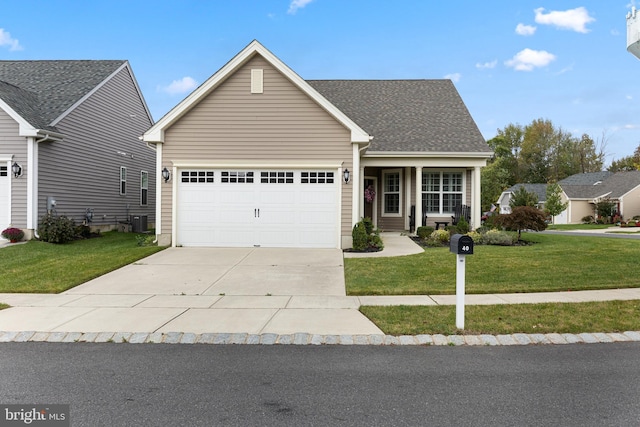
(40, 267)
(3, 306)
(608, 316)
(561, 227)
(552, 263)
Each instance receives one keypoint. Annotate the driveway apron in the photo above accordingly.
(204, 290)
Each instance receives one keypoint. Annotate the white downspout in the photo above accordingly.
(355, 182)
(32, 185)
(159, 180)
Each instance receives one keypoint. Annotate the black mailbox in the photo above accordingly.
(461, 244)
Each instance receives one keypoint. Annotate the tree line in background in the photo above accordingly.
(539, 153)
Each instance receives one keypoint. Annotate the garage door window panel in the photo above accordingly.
(317, 177)
(237, 177)
(276, 177)
(197, 176)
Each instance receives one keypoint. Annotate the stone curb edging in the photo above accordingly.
(314, 339)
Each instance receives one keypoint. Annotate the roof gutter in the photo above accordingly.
(45, 136)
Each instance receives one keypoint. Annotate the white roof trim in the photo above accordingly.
(263, 164)
(156, 133)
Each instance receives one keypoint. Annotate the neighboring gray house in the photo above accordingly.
(258, 156)
(70, 142)
(505, 198)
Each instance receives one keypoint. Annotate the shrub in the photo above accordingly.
(524, 218)
(359, 235)
(424, 231)
(636, 217)
(483, 229)
(499, 238)
(476, 237)
(462, 226)
(375, 241)
(368, 225)
(145, 239)
(56, 229)
(441, 236)
(587, 219)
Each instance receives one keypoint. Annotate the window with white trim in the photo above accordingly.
(391, 193)
(144, 188)
(276, 177)
(196, 176)
(237, 177)
(441, 192)
(316, 177)
(123, 180)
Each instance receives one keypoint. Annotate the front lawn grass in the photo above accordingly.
(41, 267)
(607, 316)
(552, 263)
(3, 306)
(561, 227)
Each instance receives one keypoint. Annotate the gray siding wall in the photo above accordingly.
(12, 144)
(83, 171)
(281, 124)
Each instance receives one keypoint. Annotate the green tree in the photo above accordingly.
(523, 218)
(495, 178)
(554, 205)
(628, 163)
(522, 197)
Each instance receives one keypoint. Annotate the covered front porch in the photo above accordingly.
(398, 197)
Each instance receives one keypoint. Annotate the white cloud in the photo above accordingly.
(486, 65)
(454, 77)
(184, 85)
(525, 30)
(615, 32)
(7, 40)
(528, 59)
(297, 4)
(572, 19)
(629, 97)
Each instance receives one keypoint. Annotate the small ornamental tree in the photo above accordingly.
(521, 197)
(605, 208)
(523, 218)
(553, 205)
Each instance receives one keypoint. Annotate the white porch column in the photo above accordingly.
(361, 196)
(32, 183)
(407, 196)
(476, 206)
(419, 214)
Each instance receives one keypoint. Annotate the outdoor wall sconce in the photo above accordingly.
(166, 174)
(16, 169)
(346, 175)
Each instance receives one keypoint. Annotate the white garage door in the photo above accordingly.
(4, 197)
(269, 208)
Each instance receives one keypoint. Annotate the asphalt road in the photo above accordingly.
(209, 385)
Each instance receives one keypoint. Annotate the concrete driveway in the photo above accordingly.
(203, 290)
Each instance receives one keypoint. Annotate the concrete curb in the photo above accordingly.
(314, 339)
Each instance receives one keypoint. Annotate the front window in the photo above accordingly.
(442, 192)
(391, 194)
(144, 188)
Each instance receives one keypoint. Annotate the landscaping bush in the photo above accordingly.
(56, 229)
(462, 226)
(359, 235)
(424, 232)
(363, 240)
(476, 237)
(524, 218)
(499, 238)
(440, 236)
(587, 219)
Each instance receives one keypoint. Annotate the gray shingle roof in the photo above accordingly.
(406, 115)
(588, 178)
(614, 185)
(40, 91)
(539, 189)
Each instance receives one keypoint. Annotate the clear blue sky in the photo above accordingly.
(512, 61)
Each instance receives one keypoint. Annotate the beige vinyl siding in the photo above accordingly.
(83, 171)
(12, 144)
(580, 209)
(631, 206)
(282, 124)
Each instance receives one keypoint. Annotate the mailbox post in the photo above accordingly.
(461, 246)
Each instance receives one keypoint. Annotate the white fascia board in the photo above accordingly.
(424, 161)
(156, 133)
